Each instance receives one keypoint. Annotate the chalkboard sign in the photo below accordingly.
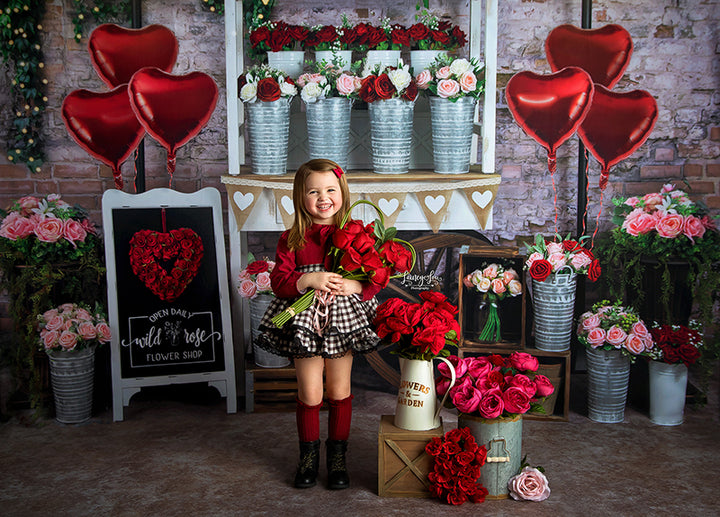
(168, 292)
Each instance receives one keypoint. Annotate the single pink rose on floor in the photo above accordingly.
(529, 485)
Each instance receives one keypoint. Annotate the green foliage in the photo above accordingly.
(215, 6)
(101, 11)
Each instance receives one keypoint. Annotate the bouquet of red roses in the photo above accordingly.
(368, 253)
(421, 330)
(388, 82)
(457, 459)
(676, 344)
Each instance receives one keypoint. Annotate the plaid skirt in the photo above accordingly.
(347, 327)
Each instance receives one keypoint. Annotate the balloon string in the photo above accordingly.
(171, 167)
(135, 170)
(164, 220)
(587, 192)
(597, 221)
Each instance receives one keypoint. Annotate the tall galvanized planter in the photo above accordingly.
(668, 386)
(289, 61)
(553, 307)
(503, 439)
(72, 373)
(328, 129)
(263, 358)
(608, 376)
(391, 125)
(452, 133)
(268, 126)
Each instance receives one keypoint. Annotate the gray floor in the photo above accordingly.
(181, 454)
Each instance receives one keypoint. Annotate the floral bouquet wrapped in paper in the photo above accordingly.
(72, 326)
(495, 386)
(255, 278)
(496, 283)
(561, 255)
(420, 330)
(367, 253)
(614, 327)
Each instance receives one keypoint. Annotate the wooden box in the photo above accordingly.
(269, 389)
(403, 464)
(511, 310)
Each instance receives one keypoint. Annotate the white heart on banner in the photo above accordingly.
(388, 207)
(243, 200)
(482, 200)
(434, 204)
(287, 204)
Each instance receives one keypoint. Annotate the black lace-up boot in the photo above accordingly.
(307, 471)
(337, 469)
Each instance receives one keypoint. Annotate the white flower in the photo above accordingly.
(311, 92)
(287, 89)
(460, 66)
(248, 93)
(400, 78)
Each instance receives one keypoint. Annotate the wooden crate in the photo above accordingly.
(269, 389)
(403, 464)
(546, 359)
(512, 310)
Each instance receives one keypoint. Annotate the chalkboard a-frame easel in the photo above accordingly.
(161, 339)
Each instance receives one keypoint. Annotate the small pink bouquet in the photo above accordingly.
(496, 283)
(614, 327)
(561, 256)
(255, 278)
(452, 78)
(327, 80)
(495, 386)
(72, 326)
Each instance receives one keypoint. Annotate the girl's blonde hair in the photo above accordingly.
(303, 220)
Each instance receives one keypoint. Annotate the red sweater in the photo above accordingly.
(318, 239)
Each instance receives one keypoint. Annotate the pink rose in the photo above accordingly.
(533, 257)
(82, 315)
(669, 225)
(345, 84)
(524, 362)
(640, 330)
(67, 340)
(652, 200)
(48, 315)
(66, 308)
(632, 201)
(74, 231)
(580, 260)
(56, 322)
(498, 286)
(635, 344)
(468, 82)
(708, 222)
(247, 289)
(263, 281)
(515, 287)
(693, 227)
(443, 73)
(529, 485)
(87, 330)
(423, 79)
(491, 271)
(467, 281)
(467, 399)
(616, 336)
(491, 406)
(447, 88)
(510, 274)
(596, 337)
(516, 400)
(49, 229)
(640, 225)
(15, 227)
(554, 247)
(557, 260)
(591, 322)
(28, 203)
(543, 385)
(103, 332)
(477, 367)
(49, 338)
(524, 382)
(459, 364)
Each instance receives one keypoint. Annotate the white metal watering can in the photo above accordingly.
(417, 407)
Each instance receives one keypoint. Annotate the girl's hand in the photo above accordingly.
(348, 287)
(320, 281)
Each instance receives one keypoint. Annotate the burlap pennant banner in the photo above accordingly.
(284, 203)
(435, 205)
(390, 204)
(481, 199)
(242, 200)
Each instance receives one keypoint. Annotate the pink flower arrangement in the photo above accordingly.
(496, 283)
(547, 257)
(452, 78)
(255, 278)
(495, 386)
(72, 326)
(614, 327)
(328, 80)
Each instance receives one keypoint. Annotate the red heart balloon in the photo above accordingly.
(549, 108)
(603, 53)
(617, 125)
(117, 53)
(104, 125)
(172, 108)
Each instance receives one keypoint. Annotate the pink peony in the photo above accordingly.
(477, 367)
(87, 331)
(263, 281)
(544, 387)
(467, 399)
(459, 365)
(498, 286)
(516, 400)
(491, 406)
(15, 227)
(670, 225)
(491, 271)
(640, 225)
(524, 362)
(616, 336)
(589, 323)
(443, 73)
(529, 485)
(103, 331)
(693, 227)
(524, 382)
(596, 337)
(423, 79)
(49, 229)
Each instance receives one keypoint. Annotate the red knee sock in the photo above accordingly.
(308, 421)
(339, 418)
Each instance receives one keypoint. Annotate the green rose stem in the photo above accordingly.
(491, 331)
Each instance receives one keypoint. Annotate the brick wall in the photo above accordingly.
(676, 58)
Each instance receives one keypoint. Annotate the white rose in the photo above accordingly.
(400, 78)
(459, 67)
(287, 89)
(311, 92)
(248, 93)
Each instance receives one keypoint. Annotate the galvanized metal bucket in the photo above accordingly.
(422, 59)
(71, 374)
(289, 61)
(329, 56)
(608, 376)
(263, 358)
(452, 132)
(269, 131)
(328, 129)
(503, 439)
(554, 308)
(391, 125)
(382, 57)
(668, 385)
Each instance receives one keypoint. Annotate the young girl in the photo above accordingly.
(325, 336)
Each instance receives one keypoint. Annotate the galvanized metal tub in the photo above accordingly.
(554, 308)
(71, 374)
(391, 124)
(268, 126)
(608, 377)
(328, 129)
(452, 133)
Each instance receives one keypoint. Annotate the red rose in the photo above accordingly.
(400, 36)
(541, 269)
(569, 245)
(298, 32)
(594, 270)
(363, 242)
(362, 33)
(411, 92)
(389, 307)
(348, 36)
(326, 34)
(279, 39)
(459, 36)
(350, 260)
(259, 266)
(478, 496)
(259, 35)
(367, 89)
(376, 35)
(440, 37)
(397, 255)
(418, 31)
(380, 277)
(384, 87)
(444, 25)
(268, 90)
(429, 339)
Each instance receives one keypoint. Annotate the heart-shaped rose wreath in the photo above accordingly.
(148, 248)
